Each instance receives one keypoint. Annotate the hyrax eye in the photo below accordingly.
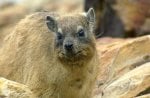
(81, 33)
(59, 36)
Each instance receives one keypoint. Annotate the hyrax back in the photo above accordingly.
(53, 54)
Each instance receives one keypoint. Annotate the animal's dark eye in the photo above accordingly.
(59, 36)
(81, 33)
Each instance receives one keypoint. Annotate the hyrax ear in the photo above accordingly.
(91, 15)
(51, 23)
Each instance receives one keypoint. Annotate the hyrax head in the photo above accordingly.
(74, 40)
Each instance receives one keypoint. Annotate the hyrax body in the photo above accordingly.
(55, 55)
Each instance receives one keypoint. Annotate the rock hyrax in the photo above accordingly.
(54, 54)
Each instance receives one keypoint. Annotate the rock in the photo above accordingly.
(117, 58)
(144, 96)
(10, 89)
(130, 84)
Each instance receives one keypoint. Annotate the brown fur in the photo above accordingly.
(29, 57)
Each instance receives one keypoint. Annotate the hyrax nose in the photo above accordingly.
(68, 46)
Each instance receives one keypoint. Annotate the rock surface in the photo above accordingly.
(123, 72)
(144, 96)
(130, 84)
(10, 89)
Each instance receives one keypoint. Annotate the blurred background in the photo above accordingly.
(114, 18)
(12, 11)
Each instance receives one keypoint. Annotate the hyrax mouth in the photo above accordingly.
(71, 58)
(71, 54)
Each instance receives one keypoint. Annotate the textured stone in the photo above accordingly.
(144, 96)
(118, 57)
(130, 84)
(10, 89)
